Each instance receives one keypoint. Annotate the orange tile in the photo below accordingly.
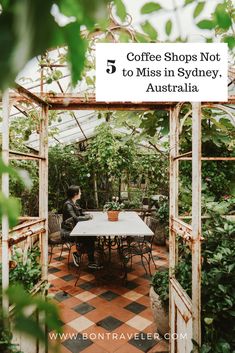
(97, 302)
(121, 301)
(128, 348)
(123, 314)
(144, 300)
(68, 315)
(144, 289)
(71, 302)
(96, 315)
(94, 348)
(147, 314)
(111, 345)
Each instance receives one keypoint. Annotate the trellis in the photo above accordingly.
(184, 311)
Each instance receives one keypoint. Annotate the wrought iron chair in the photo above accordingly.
(54, 235)
(139, 246)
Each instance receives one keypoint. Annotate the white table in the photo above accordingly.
(129, 224)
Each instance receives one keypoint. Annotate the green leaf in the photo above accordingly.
(208, 320)
(230, 40)
(206, 24)
(186, 2)
(168, 27)
(222, 17)
(198, 9)
(149, 29)
(76, 50)
(150, 7)
(141, 38)
(121, 9)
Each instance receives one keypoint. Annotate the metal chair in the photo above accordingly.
(139, 246)
(54, 235)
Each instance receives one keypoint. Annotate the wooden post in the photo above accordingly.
(5, 191)
(174, 176)
(196, 222)
(96, 191)
(43, 186)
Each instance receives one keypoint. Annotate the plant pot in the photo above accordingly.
(160, 314)
(113, 216)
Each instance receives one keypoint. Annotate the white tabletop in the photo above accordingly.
(129, 223)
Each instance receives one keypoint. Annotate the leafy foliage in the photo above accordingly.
(218, 283)
(114, 205)
(27, 271)
(23, 37)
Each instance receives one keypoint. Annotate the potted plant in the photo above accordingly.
(113, 208)
(159, 297)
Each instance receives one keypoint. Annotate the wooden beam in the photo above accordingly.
(26, 155)
(31, 96)
(209, 159)
(196, 222)
(5, 192)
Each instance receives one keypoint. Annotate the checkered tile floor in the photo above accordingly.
(102, 314)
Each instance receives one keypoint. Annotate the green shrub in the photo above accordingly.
(218, 285)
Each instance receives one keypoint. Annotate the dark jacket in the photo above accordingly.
(72, 213)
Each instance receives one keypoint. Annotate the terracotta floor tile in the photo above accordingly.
(144, 300)
(75, 322)
(110, 344)
(97, 290)
(71, 302)
(162, 346)
(143, 289)
(97, 302)
(96, 315)
(147, 314)
(128, 348)
(58, 283)
(121, 301)
(123, 314)
(68, 315)
(94, 348)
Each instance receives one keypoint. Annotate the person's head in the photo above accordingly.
(74, 192)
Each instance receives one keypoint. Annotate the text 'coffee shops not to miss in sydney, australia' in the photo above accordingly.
(161, 72)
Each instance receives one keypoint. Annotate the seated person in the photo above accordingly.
(72, 213)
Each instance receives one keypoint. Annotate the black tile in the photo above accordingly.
(87, 285)
(131, 285)
(135, 307)
(78, 344)
(110, 323)
(68, 277)
(83, 308)
(61, 296)
(109, 295)
(53, 270)
(59, 258)
(143, 342)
